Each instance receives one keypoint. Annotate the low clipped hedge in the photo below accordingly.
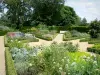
(80, 28)
(10, 68)
(68, 39)
(40, 36)
(94, 50)
(2, 33)
(91, 41)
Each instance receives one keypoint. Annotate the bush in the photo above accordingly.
(80, 28)
(33, 29)
(3, 33)
(79, 34)
(95, 49)
(4, 30)
(10, 68)
(74, 35)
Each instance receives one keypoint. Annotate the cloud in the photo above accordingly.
(86, 8)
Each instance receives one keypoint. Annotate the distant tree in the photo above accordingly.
(84, 22)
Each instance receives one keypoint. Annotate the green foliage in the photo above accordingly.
(79, 34)
(84, 22)
(94, 28)
(52, 59)
(10, 68)
(56, 60)
(91, 40)
(17, 10)
(72, 35)
(67, 34)
(47, 11)
(4, 30)
(95, 49)
(80, 28)
(68, 16)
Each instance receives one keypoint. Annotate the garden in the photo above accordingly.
(56, 59)
(30, 21)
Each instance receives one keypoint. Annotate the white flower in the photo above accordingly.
(30, 64)
(73, 64)
(18, 41)
(54, 62)
(64, 57)
(62, 60)
(11, 40)
(66, 65)
(60, 68)
(95, 62)
(88, 57)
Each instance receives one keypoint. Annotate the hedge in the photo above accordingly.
(10, 68)
(94, 50)
(68, 39)
(80, 28)
(2, 33)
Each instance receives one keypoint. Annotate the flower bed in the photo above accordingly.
(72, 35)
(25, 38)
(56, 59)
(45, 34)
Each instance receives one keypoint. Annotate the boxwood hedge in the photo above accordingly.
(10, 68)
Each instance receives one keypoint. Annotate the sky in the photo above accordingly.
(90, 9)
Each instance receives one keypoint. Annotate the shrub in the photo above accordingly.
(95, 49)
(33, 29)
(68, 34)
(4, 30)
(80, 28)
(10, 68)
(79, 34)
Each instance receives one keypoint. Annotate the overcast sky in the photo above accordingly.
(86, 8)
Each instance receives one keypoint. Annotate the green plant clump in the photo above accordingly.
(95, 49)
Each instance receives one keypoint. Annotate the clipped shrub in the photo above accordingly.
(2, 33)
(10, 68)
(80, 28)
(95, 49)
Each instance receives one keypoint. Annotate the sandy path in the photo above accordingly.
(2, 56)
(59, 39)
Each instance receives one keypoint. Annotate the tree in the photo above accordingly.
(84, 22)
(18, 11)
(94, 28)
(46, 10)
(69, 16)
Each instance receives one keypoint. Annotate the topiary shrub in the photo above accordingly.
(10, 68)
(80, 28)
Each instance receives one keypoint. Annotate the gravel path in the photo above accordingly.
(59, 38)
(2, 56)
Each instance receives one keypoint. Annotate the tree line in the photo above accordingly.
(34, 12)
